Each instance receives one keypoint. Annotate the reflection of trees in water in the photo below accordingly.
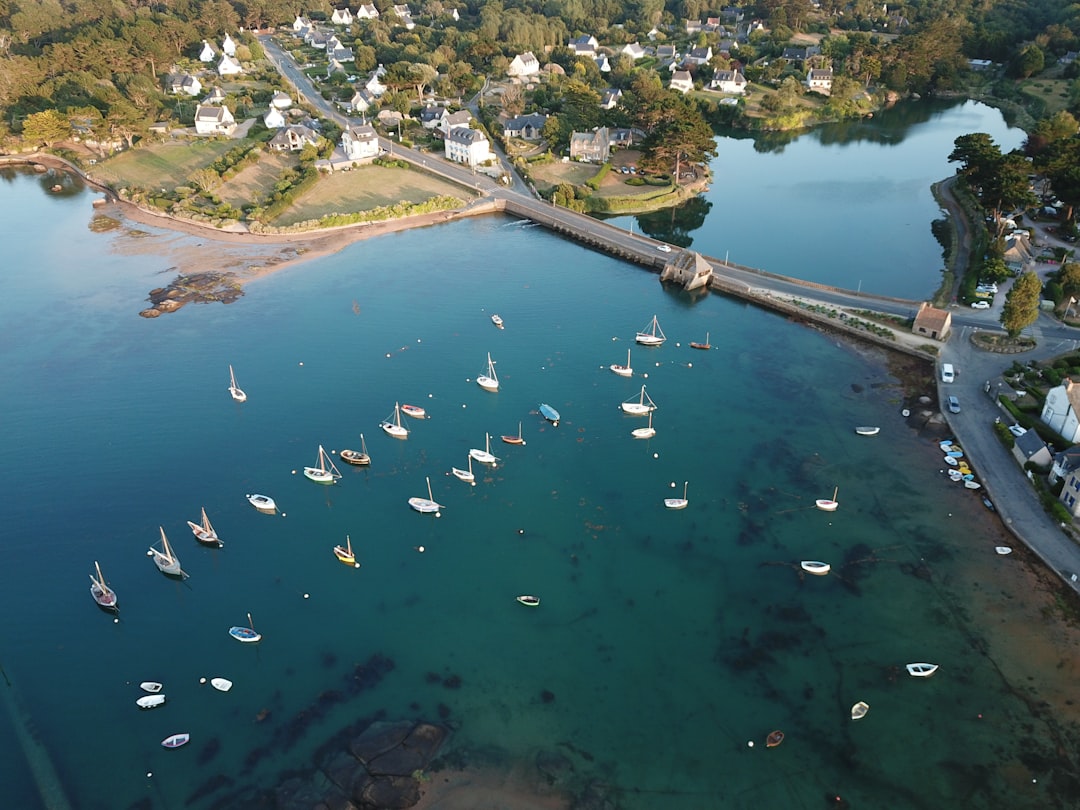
(674, 225)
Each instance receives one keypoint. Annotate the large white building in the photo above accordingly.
(468, 146)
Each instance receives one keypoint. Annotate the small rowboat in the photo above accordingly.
(549, 413)
(150, 701)
(859, 710)
(529, 601)
(498, 321)
(867, 430)
(828, 504)
(152, 687)
(176, 740)
(415, 411)
(264, 503)
(247, 634)
(989, 504)
(706, 346)
(774, 739)
(956, 475)
(221, 684)
(818, 569)
(921, 670)
(1003, 550)
(952, 462)
(973, 485)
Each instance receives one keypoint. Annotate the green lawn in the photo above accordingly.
(161, 165)
(254, 184)
(366, 188)
(1052, 92)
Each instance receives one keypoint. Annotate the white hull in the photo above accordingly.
(643, 433)
(264, 503)
(1003, 550)
(867, 431)
(818, 569)
(623, 371)
(636, 408)
(465, 475)
(859, 710)
(392, 425)
(921, 670)
(483, 456)
(424, 505)
(651, 335)
(529, 601)
(150, 701)
(234, 390)
(221, 684)
(150, 686)
(826, 505)
(415, 411)
(487, 383)
(176, 740)
(319, 476)
(676, 503)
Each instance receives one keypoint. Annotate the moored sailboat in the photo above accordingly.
(324, 471)
(678, 503)
(550, 414)
(639, 405)
(484, 456)
(204, 532)
(426, 505)
(488, 380)
(345, 553)
(828, 504)
(392, 424)
(706, 345)
(623, 371)
(235, 390)
(358, 458)
(102, 593)
(246, 635)
(645, 432)
(652, 334)
(166, 561)
(514, 439)
(465, 475)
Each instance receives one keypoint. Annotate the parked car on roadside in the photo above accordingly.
(980, 305)
(954, 405)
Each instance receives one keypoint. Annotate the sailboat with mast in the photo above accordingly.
(645, 432)
(165, 558)
(828, 504)
(484, 456)
(426, 505)
(705, 346)
(623, 371)
(204, 532)
(358, 458)
(245, 635)
(324, 472)
(392, 424)
(652, 334)
(678, 503)
(102, 593)
(235, 390)
(345, 553)
(515, 439)
(465, 475)
(639, 405)
(488, 380)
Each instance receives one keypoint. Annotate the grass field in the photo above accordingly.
(254, 184)
(367, 188)
(162, 165)
(613, 185)
(1054, 93)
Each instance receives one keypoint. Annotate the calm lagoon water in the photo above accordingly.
(668, 639)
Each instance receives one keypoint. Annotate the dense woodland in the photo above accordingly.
(99, 65)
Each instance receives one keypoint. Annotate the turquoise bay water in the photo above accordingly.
(666, 640)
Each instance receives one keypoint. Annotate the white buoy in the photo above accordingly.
(656, 455)
(429, 396)
(356, 565)
(388, 354)
(645, 375)
(307, 595)
(438, 514)
(418, 340)
(749, 743)
(283, 514)
(116, 620)
(294, 472)
(689, 365)
(149, 553)
(463, 405)
(149, 774)
(301, 362)
(202, 680)
(421, 549)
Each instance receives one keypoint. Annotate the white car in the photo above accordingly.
(980, 305)
(1016, 430)
(664, 248)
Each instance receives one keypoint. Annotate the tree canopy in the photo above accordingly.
(1021, 307)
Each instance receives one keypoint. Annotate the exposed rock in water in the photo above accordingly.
(150, 313)
(199, 288)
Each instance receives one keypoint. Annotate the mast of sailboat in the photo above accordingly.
(251, 624)
(165, 544)
(429, 495)
(684, 486)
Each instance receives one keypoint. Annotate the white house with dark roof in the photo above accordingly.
(215, 96)
(634, 51)
(468, 146)
(666, 54)
(728, 81)
(213, 120)
(228, 47)
(1061, 410)
(524, 64)
(184, 84)
(453, 120)
(300, 23)
(273, 119)
(207, 53)
(367, 11)
(819, 80)
(360, 143)
(431, 115)
(699, 56)
(373, 85)
(341, 16)
(610, 98)
(228, 66)
(585, 45)
(682, 81)
(361, 101)
(293, 138)
(405, 16)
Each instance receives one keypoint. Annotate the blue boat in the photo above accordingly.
(245, 634)
(549, 413)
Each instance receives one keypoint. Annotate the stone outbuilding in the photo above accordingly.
(1029, 447)
(932, 322)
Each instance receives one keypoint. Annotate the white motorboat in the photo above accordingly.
(324, 471)
(497, 320)
(951, 461)
(921, 670)
(645, 432)
(484, 456)
(652, 334)
(867, 430)
(152, 687)
(639, 405)
(426, 505)
(204, 532)
(828, 504)
(818, 569)
(488, 379)
(529, 600)
(164, 558)
(264, 503)
(678, 503)
(235, 390)
(221, 684)
(859, 710)
(392, 424)
(955, 475)
(623, 371)
(465, 475)
(150, 701)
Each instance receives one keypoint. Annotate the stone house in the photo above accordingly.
(1061, 410)
(211, 120)
(592, 147)
(932, 322)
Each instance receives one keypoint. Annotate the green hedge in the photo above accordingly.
(598, 178)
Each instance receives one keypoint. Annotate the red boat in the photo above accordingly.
(705, 345)
(774, 739)
(415, 411)
(514, 439)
